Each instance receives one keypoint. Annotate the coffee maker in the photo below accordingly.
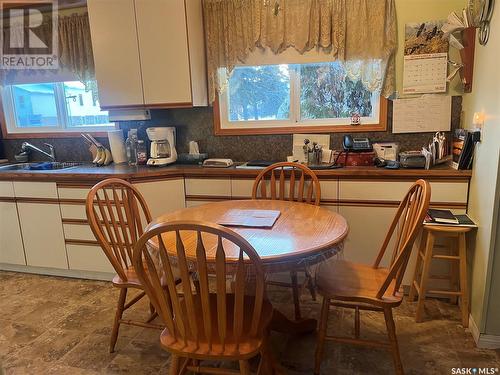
(162, 146)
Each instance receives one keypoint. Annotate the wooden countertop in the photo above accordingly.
(89, 173)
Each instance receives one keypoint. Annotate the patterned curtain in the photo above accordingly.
(75, 50)
(361, 33)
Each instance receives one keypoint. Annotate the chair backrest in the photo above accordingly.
(183, 246)
(404, 229)
(278, 174)
(117, 214)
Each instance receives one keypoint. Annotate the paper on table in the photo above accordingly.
(427, 113)
(249, 218)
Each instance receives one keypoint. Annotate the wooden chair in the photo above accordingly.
(202, 324)
(117, 214)
(283, 187)
(375, 288)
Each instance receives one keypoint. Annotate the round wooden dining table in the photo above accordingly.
(303, 235)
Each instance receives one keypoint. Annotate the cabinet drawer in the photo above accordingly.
(241, 188)
(373, 190)
(88, 258)
(452, 192)
(78, 232)
(209, 187)
(448, 192)
(329, 189)
(73, 211)
(196, 203)
(6, 189)
(73, 193)
(25, 189)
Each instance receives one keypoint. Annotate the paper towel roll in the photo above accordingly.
(117, 146)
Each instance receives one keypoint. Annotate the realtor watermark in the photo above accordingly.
(29, 34)
(475, 371)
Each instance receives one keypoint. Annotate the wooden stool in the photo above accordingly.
(458, 272)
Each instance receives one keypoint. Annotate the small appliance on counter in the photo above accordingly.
(412, 160)
(162, 146)
(218, 163)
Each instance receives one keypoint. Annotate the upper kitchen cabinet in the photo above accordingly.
(149, 53)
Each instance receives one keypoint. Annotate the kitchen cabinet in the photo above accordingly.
(163, 196)
(43, 237)
(116, 57)
(41, 224)
(157, 57)
(368, 226)
(11, 242)
(86, 257)
(83, 251)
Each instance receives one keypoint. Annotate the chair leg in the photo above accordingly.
(310, 284)
(320, 345)
(391, 331)
(418, 266)
(464, 287)
(174, 365)
(244, 367)
(295, 291)
(356, 322)
(454, 271)
(424, 277)
(118, 316)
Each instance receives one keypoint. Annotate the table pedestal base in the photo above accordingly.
(280, 323)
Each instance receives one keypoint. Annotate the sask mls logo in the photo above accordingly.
(474, 371)
(28, 34)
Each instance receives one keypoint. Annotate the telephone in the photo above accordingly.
(356, 144)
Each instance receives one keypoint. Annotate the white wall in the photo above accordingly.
(483, 198)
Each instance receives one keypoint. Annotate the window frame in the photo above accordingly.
(61, 130)
(222, 126)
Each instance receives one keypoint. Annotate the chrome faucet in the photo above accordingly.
(25, 147)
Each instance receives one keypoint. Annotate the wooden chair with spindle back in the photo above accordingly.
(117, 214)
(203, 321)
(374, 288)
(283, 187)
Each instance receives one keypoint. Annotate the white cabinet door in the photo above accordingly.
(163, 196)
(11, 243)
(116, 52)
(368, 227)
(43, 237)
(163, 47)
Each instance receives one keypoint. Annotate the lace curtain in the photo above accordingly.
(361, 33)
(75, 51)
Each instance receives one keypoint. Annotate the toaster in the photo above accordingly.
(412, 160)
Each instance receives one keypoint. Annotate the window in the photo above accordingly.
(52, 107)
(296, 97)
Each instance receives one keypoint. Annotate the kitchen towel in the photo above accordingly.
(117, 146)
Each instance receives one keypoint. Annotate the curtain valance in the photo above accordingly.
(361, 33)
(75, 52)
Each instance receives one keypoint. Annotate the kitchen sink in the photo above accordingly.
(53, 165)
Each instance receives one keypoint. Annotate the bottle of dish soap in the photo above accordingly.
(131, 146)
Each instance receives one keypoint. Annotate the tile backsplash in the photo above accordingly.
(196, 124)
